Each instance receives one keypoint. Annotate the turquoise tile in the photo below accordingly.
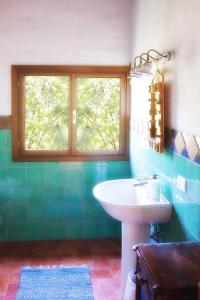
(147, 154)
(180, 209)
(167, 163)
(2, 140)
(193, 189)
(166, 188)
(91, 164)
(34, 195)
(89, 197)
(126, 172)
(35, 211)
(16, 231)
(54, 176)
(91, 230)
(193, 171)
(93, 211)
(193, 181)
(74, 230)
(125, 164)
(53, 164)
(3, 201)
(59, 211)
(8, 138)
(73, 184)
(73, 164)
(16, 213)
(16, 176)
(3, 177)
(173, 231)
(73, 194)
(180, 166)
(73, 177)
(56, 212)
(35, 176)
(53, 194)
(193, 218)
(74, 211)
(190, 237)
(35, 164)
(157, 160)
(110, 228)
(16, 195)
(3, 157)
(92, 175)
(34, 231)
(55, 231)
(178, 196)
(3, 228)
(112, 164)
(111, 173)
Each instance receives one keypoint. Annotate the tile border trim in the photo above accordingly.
(177, 141)
(5, 122)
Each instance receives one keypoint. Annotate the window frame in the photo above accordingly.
(18, 73)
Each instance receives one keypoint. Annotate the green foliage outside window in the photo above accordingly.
(98, 114)
(47, 113)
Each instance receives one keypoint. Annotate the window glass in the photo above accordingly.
(69, 113)
(46, 112)
(98, 114)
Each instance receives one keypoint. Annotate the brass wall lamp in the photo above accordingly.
(142, 64)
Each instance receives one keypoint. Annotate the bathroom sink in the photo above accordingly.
(128, 203)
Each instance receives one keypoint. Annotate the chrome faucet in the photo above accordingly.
(142, 179)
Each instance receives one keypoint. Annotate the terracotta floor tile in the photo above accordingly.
(11, 292)
(14, 278)
(106, 294)
(99, 262)
(4, 279)
(13, 265)
(102, 256)
(112, 246)
(101, 273)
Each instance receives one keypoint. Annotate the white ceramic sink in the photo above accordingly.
(131, 205)
(128, 203)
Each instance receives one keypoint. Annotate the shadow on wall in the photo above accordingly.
(173, 229)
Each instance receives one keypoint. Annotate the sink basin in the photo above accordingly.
(128, 203)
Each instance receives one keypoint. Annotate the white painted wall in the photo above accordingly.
(98, 32)
(76, 32)
(173, 25)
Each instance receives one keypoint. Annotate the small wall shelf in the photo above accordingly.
(156, 115)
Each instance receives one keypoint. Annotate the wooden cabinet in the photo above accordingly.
(167, 271)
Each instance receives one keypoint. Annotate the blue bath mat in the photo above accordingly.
(55, 283)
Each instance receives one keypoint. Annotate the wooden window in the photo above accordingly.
(63, 113)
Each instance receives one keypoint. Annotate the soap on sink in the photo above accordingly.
(154, 188)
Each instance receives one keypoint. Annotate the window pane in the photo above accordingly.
(46, 112)
(98, 114)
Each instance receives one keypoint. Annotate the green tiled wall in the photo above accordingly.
(185, 223)
(53, 200)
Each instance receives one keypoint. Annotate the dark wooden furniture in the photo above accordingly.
(167, 271)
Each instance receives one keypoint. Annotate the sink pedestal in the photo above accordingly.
(132, 234)
(131, 204)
